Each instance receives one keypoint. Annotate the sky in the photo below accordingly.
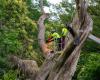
(54, 1)
(46, 9)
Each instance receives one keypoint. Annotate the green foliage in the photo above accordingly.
(3, 66)
(10, 75)
(88, 67)
(33, 7)
(91, 46)
(17, 33)
(67, 18)
(52, 26)
(68, 15)
(94, 10)
(9, 42)
(17, 29)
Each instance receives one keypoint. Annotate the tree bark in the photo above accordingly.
(41, 34)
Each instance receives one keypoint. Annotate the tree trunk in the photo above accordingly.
(61, 68)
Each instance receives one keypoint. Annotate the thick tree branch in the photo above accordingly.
(28, 67)
(41, 34)
(41, 31)
(94, 38)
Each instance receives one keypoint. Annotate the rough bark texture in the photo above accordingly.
(28, 67)
(41, 31)
(41, 34)
(63, 66)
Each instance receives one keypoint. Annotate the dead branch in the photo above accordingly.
(28, 67)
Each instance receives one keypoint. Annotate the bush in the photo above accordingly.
(88, 67)
(10, 75)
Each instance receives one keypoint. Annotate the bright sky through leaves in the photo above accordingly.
(54, 1)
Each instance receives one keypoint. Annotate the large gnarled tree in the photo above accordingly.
(63, 66)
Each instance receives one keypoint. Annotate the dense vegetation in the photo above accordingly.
(18, 36)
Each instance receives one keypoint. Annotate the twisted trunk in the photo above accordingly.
(64, 66)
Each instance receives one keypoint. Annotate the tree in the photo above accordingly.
(62, 67)
(17, 29)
